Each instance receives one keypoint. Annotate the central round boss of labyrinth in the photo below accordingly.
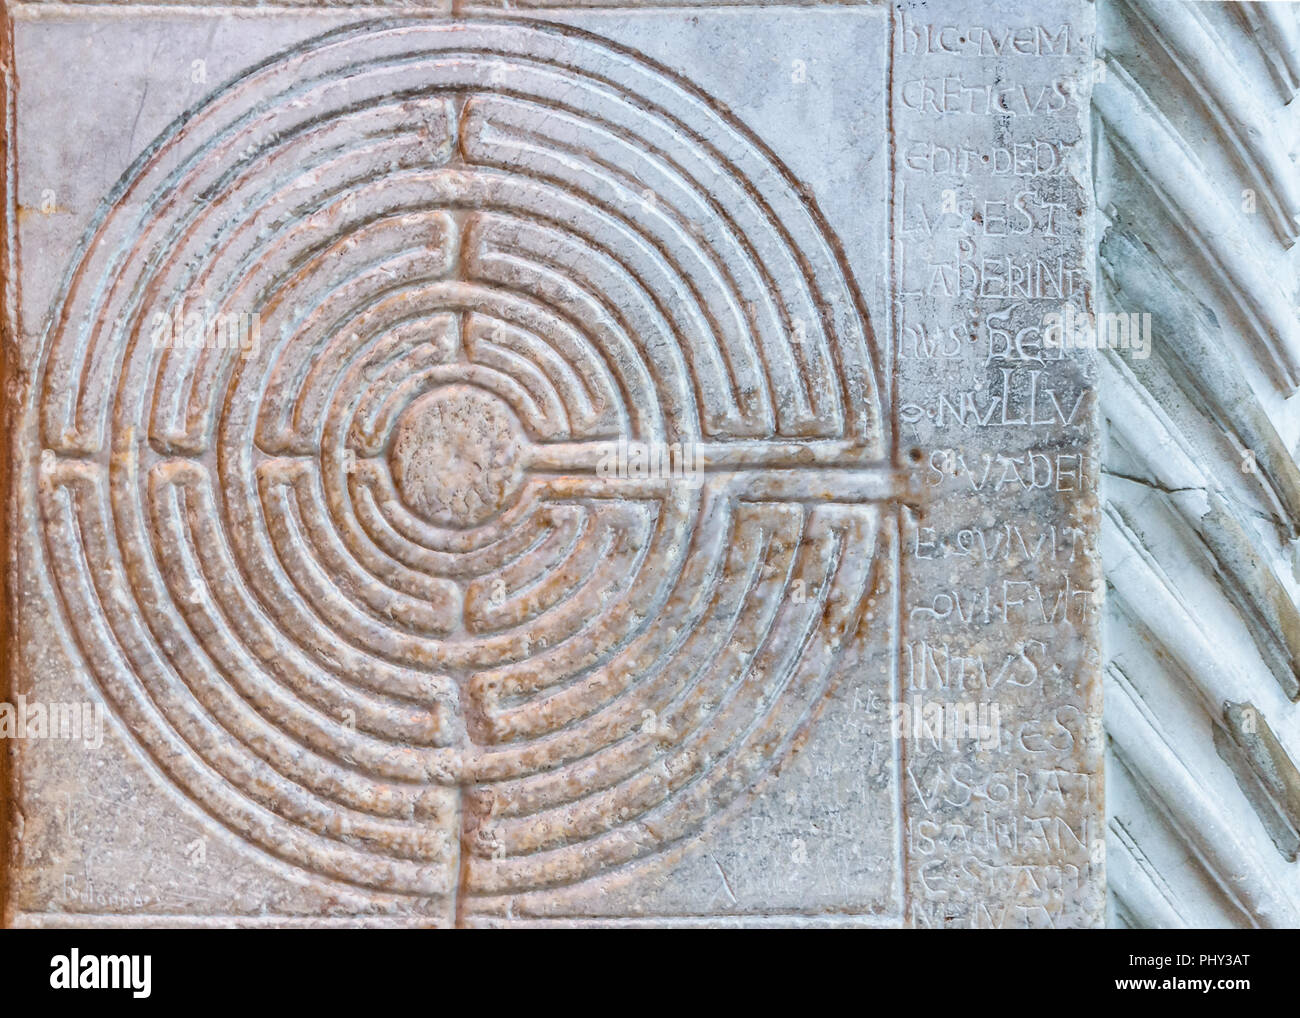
(457, 456)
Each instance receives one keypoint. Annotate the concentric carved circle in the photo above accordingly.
(373, 584)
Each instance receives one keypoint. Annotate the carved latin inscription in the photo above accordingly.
(1000, 672)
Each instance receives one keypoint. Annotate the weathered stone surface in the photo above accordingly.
(1002, 580)
(501, 471)
(1195, 167)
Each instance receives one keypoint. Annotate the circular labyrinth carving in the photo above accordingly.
(374, 560)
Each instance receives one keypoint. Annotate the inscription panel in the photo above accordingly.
(1000, 695)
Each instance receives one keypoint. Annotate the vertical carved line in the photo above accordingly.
(8, 404)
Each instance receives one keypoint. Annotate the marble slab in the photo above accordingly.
(544, 465)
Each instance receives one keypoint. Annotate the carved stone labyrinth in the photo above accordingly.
(392, 588)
